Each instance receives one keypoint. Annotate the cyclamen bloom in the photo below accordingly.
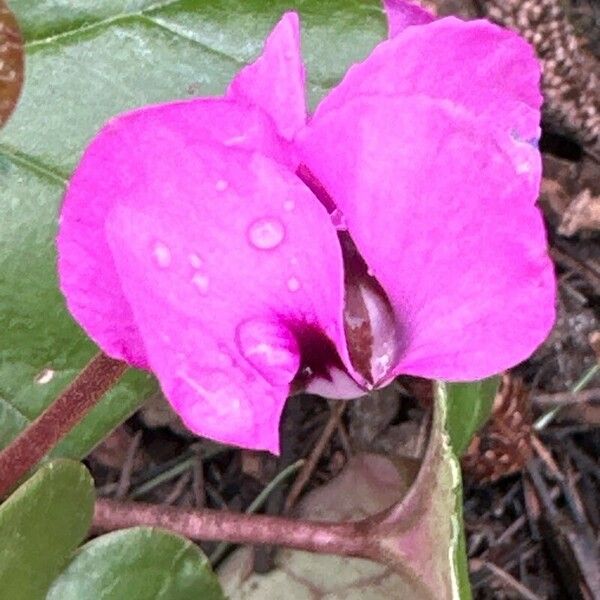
(241, 250)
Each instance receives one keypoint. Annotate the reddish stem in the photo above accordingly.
(24, 452)
(348, 539)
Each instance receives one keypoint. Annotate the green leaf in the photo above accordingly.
(41, 525)
(469, 407)
(138, 564)
(41, 348)
(87, 60)
(24, 393)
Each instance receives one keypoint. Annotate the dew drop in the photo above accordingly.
(270, 348)
(195, 261)
(45, 376)
(221, 185)
(266, 233)
(162, 255)
(293, 284)
(201, 281)
(289, 205)
(235, 140)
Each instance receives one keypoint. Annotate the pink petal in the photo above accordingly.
(225, 259)
(275, 82)
(441, 206)
(403, 13)
(485, 68)
(88, 277)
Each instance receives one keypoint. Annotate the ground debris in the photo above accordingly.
(504, 445)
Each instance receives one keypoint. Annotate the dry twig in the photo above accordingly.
(336, 414)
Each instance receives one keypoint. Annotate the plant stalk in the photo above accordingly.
(30, 446)
(347, 539)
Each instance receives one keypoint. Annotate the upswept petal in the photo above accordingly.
(225, 258)
(441, 207)
(404, 13)
(275, 81)
(489, 70)
(88, 278)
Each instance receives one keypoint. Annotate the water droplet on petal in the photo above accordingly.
(201, 281)
(270, 348)
(235, 140)
(289, 205)
(162, 255)
(293, 284)
(221, 185)
(195, 261)
(266, 233)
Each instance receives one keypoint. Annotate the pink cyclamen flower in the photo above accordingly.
(242, 250)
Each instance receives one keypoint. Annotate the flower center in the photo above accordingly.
(371, 328)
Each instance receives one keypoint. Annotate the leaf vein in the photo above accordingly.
(16, 410)
(98, 23)
(34, 165)
(165, 26)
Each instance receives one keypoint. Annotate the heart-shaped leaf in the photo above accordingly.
(138, 564)
(41, 525)
(86, 61)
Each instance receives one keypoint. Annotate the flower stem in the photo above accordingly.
(25, 451)
(347, 539)
(256, 505)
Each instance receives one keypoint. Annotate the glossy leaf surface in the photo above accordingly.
(41, 525)
(138, 564)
